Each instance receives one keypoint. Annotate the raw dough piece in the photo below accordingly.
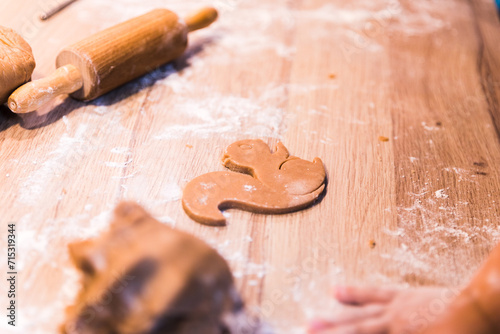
(272, 183)
(16, 62)
(144, 277)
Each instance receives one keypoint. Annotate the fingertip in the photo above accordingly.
(341, 293)
(358, 295)
(316, 325)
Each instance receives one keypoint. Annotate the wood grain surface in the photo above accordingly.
(330, 79)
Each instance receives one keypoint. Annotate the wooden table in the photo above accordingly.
(327, 78)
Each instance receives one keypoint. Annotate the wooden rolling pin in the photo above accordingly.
(113, 57)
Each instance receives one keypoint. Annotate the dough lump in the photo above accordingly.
(16, 62)
(144, 277)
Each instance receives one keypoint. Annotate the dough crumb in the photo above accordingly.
(383, 139)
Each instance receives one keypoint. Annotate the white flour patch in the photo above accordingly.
(285, 51)
(429, 128)
(316, 112)
(129, 176)
(118, 164)
(171, 192)
(97, 224)
(47, 244)
(462, 174)
(38, 182)
(435, 235)
(422, 17)
(226, 116)
(411, 18)
(249, 188)
(167, 220)
(101, 110)
(120, 150)
(207, 186)
(66, 122)
(179, 82)
(203, 200)
(239, 46)
(441, 194)
(37, 245)
(338, 15)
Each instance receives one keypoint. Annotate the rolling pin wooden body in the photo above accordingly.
(113, 57)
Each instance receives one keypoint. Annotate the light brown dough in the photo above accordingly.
(145, 277)
(260, 181)
(16, 62)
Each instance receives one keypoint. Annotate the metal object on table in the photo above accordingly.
(47, 15)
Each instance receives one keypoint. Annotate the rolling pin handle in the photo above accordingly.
(34, 94)
(201, 19)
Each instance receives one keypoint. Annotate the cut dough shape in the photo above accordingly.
(144, 277)
(16, 62)
(259, 181)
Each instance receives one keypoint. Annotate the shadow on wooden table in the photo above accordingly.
(7, 118)
(39, 119)
(35, 120)
(323, 194)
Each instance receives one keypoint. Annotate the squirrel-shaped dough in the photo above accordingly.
(143, 277)
(260, 181)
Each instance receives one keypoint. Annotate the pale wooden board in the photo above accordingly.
(424, 74)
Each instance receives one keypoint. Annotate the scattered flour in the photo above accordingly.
(118, 164)
(249, 188)
(441, 194)
(171, 192)
(41, 252)
(462, 174)
(167, 221)
(429, 128)
(120, 150)
(228, 116)
(433, 235)
(337, 14)
(57, 161)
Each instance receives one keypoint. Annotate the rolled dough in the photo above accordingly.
(16, 62)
